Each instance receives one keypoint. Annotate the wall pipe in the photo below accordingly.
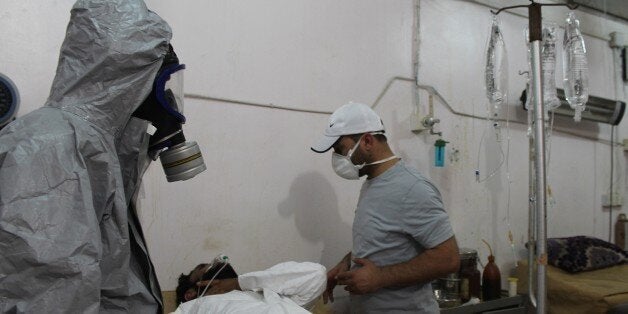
(254, 104)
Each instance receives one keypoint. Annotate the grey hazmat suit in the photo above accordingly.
(70, 241)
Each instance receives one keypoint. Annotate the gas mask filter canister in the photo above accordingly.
(182, 161)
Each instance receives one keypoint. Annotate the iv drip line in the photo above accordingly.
(510, 235)
(501, 151)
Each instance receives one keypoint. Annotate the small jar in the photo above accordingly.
(469, 275)
(450, 293)
(512, 286)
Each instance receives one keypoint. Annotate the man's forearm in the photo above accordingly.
(431, 264)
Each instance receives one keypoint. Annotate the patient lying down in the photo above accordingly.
(288, 287)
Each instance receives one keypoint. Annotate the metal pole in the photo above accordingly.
(535, 29)
(531, 210)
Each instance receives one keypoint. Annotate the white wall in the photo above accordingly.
(266, 197)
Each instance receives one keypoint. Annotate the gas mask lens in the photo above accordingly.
(169, 90)
(174, 90)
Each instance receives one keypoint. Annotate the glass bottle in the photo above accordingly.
(469, 275)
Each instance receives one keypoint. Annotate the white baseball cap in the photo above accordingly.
(352, 118)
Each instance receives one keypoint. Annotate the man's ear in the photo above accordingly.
(369, 139)
(190, 294)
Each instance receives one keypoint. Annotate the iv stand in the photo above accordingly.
(538, 201)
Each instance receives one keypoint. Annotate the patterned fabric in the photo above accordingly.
(582, 253)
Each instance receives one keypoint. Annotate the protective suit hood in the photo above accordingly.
(108, 61)
(70, 241)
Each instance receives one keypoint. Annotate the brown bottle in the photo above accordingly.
(620, 231)
(491, 280)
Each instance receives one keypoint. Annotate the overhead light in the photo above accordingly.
(598, 109)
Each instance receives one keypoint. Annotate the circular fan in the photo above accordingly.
(9, 100)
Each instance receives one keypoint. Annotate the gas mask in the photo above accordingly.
(163, 107)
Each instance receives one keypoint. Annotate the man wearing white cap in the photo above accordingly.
(402, 238)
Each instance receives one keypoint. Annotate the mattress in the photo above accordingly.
(596, 291)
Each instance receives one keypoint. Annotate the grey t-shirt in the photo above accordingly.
(399, 215)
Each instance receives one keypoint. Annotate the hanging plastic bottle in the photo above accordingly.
(575, 68)
(548, 67)
(496, 72)
(439, 153)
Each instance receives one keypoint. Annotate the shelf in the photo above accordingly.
(505, 305)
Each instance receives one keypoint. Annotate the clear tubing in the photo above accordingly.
(218, 259)
(211, 280)
(501, 162)
(510, 235)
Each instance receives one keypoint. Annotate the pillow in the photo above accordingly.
(582, 253)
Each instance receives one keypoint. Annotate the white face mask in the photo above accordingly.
(344, 167)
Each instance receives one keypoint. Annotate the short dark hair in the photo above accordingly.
(185, 282)
(184, 285)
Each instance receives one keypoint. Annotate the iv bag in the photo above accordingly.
(496, 72)
(548, 67)
(575, 69)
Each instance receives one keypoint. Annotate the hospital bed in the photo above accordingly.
(598, 290)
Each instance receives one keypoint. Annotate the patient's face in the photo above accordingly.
(197, 272)
(203, 272)
(195, 276)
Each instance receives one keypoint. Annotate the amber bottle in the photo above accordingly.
(491, 280)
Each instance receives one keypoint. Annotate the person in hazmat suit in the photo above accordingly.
(70, 239)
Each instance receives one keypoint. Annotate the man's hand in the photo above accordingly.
(366, 279)
(220, 286)
(342, 267)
